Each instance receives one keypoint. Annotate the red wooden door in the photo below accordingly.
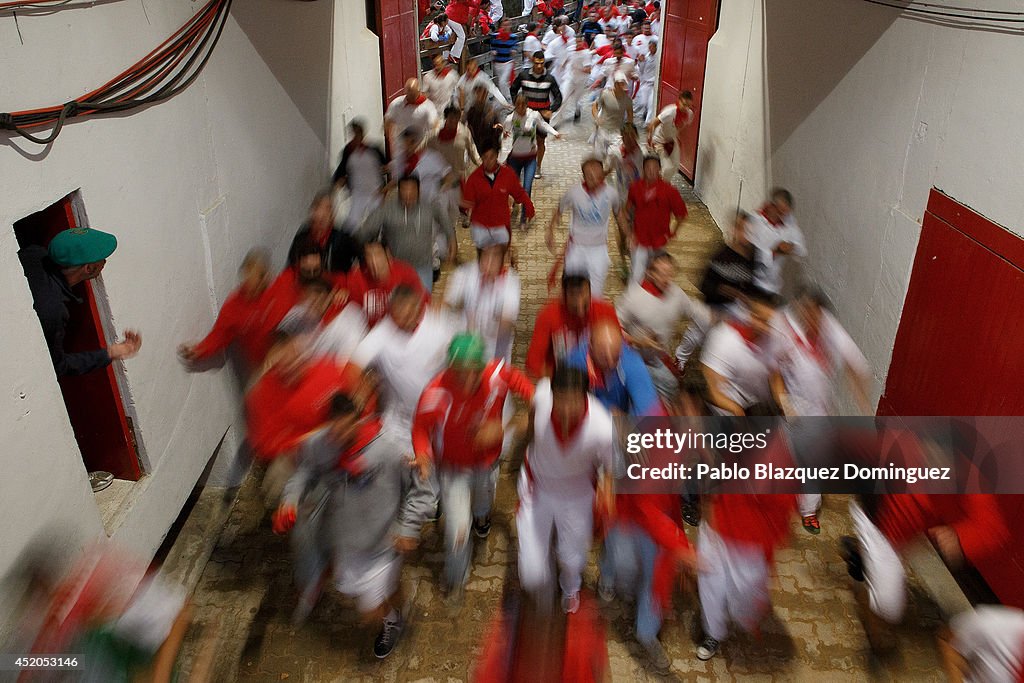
(93, 401)
(399, 45)
(958, 350)
(687, 27)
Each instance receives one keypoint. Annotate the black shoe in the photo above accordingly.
(481, 529)
(849, 550)
(691, 513)
(437, 274)
(390, 634)
(577, 116)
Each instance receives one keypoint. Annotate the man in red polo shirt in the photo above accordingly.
(241, 318)
(654, 202)
(370, 285)
(486, 198)
(563, 324)
(459, 429)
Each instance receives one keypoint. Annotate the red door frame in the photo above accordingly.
(95, 407)
(958, 350)
(687, 27)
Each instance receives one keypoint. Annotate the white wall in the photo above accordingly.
(188, 186)
(866, 112)
(355, 70)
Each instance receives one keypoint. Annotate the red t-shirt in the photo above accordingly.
(450, 419)
(654, 206)
(555, 334)
(279, 416)
(242, 320)
(373, 296)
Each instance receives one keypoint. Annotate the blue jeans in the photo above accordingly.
(525, 168)
(628, 561)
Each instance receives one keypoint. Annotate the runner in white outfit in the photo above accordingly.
(571, 447)
(591, 203)
(486, 294)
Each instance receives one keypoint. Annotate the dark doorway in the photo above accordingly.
(104, 432)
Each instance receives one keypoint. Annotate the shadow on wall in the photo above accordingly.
(294, 40)
(804, 65)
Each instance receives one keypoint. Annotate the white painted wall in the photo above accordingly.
(865, 112)
(188, 186)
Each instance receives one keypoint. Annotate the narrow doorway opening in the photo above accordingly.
(102, 427)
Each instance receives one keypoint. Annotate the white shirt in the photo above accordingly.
(440, 89)
(531, 44)
(578, 63)
(644, 314)
(423, 117)
(639, 45)
(365, 172)
(467, 84)
(484, 306)
(556, 51)
(745, 369)
(567, 470)
(667, 131)
(431, 170)
(600, 40)
(811, 374)
(340, 337)
(614, 65)
(990, 638)
(459, 152)
(406, 362)
(524, 132)
(646, 69)
(766, 238)
(590, 213)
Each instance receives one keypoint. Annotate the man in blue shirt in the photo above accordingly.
(618, 376)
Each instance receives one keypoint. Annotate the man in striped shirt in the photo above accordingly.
(542, 95)
(503, 46)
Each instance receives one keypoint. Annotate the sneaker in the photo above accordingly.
(605, 590)
(812, 525)
(691, 513)
(657, 657)
(571, 603)
(707, 649)
(389, 635)
(849, 550)
(537, 175)
(577, 116)
(482, 529)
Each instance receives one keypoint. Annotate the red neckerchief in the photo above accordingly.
(556, 428)
(504, 35)
(812, 346)
(745, 333)
(565, 38)
(680, 116)
(419, 100)
(774, 224)
(351, 460)
(443, 72)
(649, 286)
(411, 162)
(446, 135)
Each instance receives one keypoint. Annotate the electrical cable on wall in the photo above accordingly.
(160, 75)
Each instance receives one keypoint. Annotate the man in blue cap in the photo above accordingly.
(74, 256)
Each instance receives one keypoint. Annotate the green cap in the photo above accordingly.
(79, 246)
(467, 351)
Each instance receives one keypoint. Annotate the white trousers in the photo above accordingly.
(592, 261)
(809, 503)
(574, 90)
(503, 75)
(883, 570)
(540, 514)
(732, 581)
(638, 261)
(460, 38)
(643, 104)
(669, 162)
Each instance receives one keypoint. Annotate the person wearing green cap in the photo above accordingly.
(458, 429)
(73, 256)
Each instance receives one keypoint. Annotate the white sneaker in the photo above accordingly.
(707, 649)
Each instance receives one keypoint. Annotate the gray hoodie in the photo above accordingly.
(409, 231)
(360, 514)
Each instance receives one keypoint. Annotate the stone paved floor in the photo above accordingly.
(245, 598)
